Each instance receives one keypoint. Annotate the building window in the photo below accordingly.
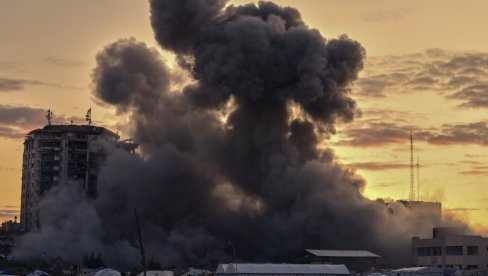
(473, 250)
(429, 251)
(436, 251)
(454, 250)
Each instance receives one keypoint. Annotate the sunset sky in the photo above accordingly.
(426, 71)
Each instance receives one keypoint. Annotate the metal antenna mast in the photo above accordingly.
(49, 117)
(418, 178)
(88, 116)
(412, 193)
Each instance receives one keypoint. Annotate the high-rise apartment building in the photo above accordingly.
(59, 154)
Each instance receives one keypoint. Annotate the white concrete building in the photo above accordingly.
(281, 269)
(418, 271)
(449, 248)
(355, 260)
(157, 273)
(57, 154)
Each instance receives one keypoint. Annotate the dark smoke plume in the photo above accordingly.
(233, 156)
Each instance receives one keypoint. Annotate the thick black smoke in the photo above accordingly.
(127, 66)
(235, 156)
(177, 24)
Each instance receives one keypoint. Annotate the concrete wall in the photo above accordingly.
(448, 257)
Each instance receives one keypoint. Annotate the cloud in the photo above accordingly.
(5, 65)
(11, 132)
(423, 81)
(473, 172)
(475, 167)
(375, 133)
(459, 76)
(459, 81)
(21, 116)
(8, 85)
(378, 115)
(377, 85)
(12, 85)
(377, 166)
(385, 15)
(463, 61)
(471, 162)
(381, 185)
(62, 62)
(480, 167)
(471, 155)
(474, 96)
(17, 121)
(8, 213)
(461, 209)
(473, 133)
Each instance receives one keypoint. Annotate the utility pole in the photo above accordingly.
(141, 245)
(235, 255)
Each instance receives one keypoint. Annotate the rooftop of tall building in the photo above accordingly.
(86, 129)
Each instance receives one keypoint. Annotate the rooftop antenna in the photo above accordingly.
(412, 193)
(49, 117)
(88, 116)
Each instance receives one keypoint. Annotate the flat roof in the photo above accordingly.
(88, 129)
(418, 269)
(342, 253)
(315, 269)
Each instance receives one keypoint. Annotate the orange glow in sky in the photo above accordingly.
(426, 70)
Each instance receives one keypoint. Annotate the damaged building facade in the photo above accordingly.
(57, 154)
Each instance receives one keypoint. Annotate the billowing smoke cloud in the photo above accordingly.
(177, 24)
(129, 66)
(234, 156)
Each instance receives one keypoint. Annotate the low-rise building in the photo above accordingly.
(10, 226)
(356, 260)
(9, 233)
(418, 271)
(281, 269)
(450, 248)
